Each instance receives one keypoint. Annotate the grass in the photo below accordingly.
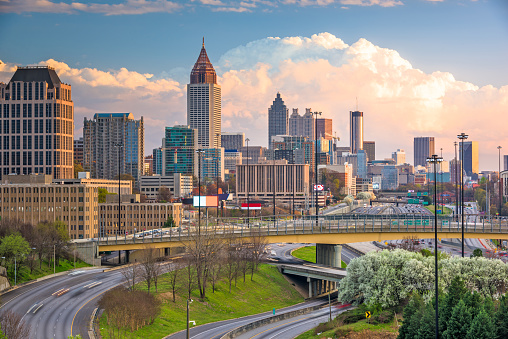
(445, 210)
(24, 274)
(308, 253)
(363, 326)
(268, 290)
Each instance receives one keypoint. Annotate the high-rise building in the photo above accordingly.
(36, 124)
(505, 158)
(204, 102)
(399, 156)
(370, 148)
(302, 126)
(157, 161)
(471, 160)
(232, 140)
(423, 148)
(324, 128)
(212, 164)
(356, 131)
(278, 119)
(112, 137)
(78, 151)
(179, 151)
(303, 148)
(149, 164)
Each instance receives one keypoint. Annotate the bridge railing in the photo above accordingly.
(264, 226)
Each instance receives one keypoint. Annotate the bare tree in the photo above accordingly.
(190, 276)
(131, 273)
(230, 259)
(150, 267)
(174, 273)
(258, 248)
(13, 326)
(164, 194)
(410, 243)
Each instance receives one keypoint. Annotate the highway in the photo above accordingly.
(60, 306)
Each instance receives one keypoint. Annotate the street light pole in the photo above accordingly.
(119, 145)
(217, 172)
(247, 190)
(316, 165)
(434, 160)
(200, 152)
(456, 184)
(462, 137)
(273, 183)
(499, 182)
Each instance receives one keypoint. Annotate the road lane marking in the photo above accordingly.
(38, 308)
(271, 328)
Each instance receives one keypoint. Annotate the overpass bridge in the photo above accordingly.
(327, 229)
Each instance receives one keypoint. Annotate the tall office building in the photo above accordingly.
(110, 136)
(302, 125)
(78, 151)
(204, 102)
(399, 156)
(179, 151)
(36, 124)
(471, 160)
(356, 131)
(423, 148)
(324, 128)
(232, 140)
(370, 148)
(278, 119)
(505, 158)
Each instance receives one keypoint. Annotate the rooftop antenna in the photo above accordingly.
(203, 41)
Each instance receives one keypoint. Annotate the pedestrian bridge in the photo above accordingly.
(337, 229)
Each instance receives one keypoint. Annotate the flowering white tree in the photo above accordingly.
(387, 277)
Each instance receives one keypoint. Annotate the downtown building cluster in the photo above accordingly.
(37, 147)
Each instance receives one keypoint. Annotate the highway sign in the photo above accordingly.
(367, 314)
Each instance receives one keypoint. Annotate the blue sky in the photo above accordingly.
(467, 39)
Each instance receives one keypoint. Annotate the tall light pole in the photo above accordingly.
(217, 171)
(434, 160)
(499, 182)
(273, 184)
(456, 183)
(200, 152)
(294, 181)
(316, 165)
(247, 188)
(462, 137)
(119, 146)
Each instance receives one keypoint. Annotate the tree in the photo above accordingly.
(102, 195)
(501, 318)
(131, 273)
(458, 325)
(481, 327)
(14, 248)
(427, 329)
(410, 325)
(77, 168)
(477, 253)
(456, 292)
(170, 222)
(173, 276)
(164, 194)
(13, 326)
(150, 268)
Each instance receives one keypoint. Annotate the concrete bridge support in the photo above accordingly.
(319, 287)
(328, 254)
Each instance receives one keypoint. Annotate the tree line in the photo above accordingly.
(23, 244)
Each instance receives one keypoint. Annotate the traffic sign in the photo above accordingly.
(367, 314)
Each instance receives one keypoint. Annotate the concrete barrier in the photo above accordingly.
(253, 325)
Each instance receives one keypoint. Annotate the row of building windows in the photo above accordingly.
(35, 91)
(58, 126)
(58, 110)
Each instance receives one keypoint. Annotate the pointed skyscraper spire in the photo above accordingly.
(203, 71)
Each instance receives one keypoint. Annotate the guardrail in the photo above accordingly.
(324, 224)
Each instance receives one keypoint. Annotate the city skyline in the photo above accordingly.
(401, 91)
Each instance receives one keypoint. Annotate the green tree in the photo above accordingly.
(459, 323)
(411, 321)
(477, 253)
(501, 318)
(427, 329)
(102, 195)
(170, 222)
(456, 292)
(77, 168)
(481, 327)
(474, 302)
(14, 248)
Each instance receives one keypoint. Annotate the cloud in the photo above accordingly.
(321, 72)
(127, 7)
(138, 7)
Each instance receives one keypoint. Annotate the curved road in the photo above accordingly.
(60, 306)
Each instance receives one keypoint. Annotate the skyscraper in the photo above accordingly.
(179, 151)
(302, 126)
(423, 148)
(324, 128)
(278, 119)
(232, 140)
(356, 131)
(399, 157)
(370, 148)
(471, 160)
(204, 102)
(36, 124)
(101, 139)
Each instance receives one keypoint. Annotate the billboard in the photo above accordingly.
(251, 206)
(319, 187)
(205, 201)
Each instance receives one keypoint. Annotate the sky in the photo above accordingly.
(415, 67)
